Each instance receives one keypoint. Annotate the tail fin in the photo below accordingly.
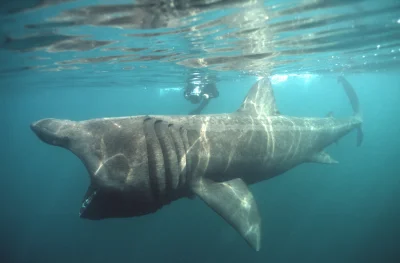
(351, 94)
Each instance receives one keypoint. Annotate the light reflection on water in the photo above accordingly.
(156, 41)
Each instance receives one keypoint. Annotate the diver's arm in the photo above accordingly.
(202, 105)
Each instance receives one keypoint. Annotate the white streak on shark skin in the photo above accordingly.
(182, 161)
(271, 133)
(101, 163)
(116, 125)
(234, 150)
(290, 152)
(204, 142)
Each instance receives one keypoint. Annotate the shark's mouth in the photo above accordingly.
(90, 194)
(99, 203)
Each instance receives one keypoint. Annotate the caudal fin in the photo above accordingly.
(351, 94)
(355, 104)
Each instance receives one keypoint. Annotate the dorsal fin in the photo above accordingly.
(260, 100)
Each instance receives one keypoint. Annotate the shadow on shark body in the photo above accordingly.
(138, 164)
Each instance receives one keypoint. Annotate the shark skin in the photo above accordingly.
(139, 164)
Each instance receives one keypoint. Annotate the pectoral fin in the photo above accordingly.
(233, 201)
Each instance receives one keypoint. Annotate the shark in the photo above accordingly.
(139, 164)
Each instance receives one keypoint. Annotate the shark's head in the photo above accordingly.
(114, 154)
(54, 132)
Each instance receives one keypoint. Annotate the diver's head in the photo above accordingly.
(193, 93)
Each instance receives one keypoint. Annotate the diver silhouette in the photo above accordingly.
(200, 94)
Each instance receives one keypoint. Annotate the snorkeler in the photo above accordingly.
(200, 89)
(200, 94)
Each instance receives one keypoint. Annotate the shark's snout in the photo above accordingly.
(50, 131)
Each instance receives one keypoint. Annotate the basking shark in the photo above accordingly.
(138, 164)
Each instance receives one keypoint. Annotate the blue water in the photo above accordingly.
(314, 213)
(347, 213)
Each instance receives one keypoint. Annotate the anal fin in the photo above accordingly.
(234, 202)
(322, 157)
